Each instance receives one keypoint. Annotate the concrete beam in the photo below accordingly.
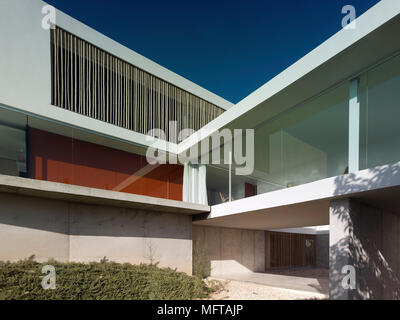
(60, 191)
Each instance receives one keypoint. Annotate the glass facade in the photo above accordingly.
(310, 141)
(307, 143)
(42, 150)
(13, 148)
(380, 114)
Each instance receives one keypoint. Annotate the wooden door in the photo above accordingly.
(280, 249)
(286, 250)
(309, 250)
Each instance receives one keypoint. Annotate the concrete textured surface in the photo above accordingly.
(68, 231)
(240, 290)
(60, 191)
(313, 285)
(367, 239)
(230, 250)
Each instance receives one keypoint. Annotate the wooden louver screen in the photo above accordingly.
(92, 82)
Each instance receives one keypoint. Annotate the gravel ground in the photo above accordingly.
(238, 290)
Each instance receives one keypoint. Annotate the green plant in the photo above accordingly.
(151, 253)
(98, 281)
(201, 262)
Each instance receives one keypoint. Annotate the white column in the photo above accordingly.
(354, 126)
(194, 183)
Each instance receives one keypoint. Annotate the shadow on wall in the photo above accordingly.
(369, 239)
(370, 179)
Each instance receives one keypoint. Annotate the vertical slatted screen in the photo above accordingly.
(291, 250)
(92, 82)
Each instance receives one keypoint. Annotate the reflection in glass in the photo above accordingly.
(306, 143)
(13, 159)
(380, 114)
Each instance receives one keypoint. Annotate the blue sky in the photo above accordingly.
(228, 47)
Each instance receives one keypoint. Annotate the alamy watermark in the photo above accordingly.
(49, 280)
(349, 20)
(49, 19)
(349, 280)
(237, 144)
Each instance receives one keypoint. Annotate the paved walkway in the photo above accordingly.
(316, 285)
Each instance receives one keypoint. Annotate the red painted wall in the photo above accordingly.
(60, 159)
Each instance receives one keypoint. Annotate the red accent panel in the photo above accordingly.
(61, 159)
(249, 190)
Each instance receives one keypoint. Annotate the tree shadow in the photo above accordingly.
(370, 237)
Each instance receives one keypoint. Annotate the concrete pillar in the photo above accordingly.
(342, 218)
(366, 239)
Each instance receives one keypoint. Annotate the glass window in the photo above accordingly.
(304, 144)
(61, 154)
(380, 114)
(217, 184)
(44, 150)
(13, 160)
(307, 143)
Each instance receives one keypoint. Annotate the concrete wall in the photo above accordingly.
(322, 250)
(68, 231)
(367, 239)
(231, 251)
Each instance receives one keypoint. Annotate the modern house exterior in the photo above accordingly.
(78, 113)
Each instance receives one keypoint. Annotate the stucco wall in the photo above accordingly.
(231, 251)
(68, 231)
